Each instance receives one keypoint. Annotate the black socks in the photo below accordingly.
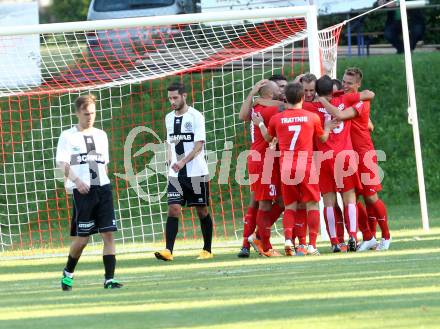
(206, 226)
(172, 227)
(109, 266)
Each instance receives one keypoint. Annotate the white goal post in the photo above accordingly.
(107, 24)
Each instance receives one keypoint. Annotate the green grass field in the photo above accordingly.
(395, 289)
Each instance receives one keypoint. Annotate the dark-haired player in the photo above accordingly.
(296, 130)
(338, 164)
(261, 164)
(368, 168)
(188, 181)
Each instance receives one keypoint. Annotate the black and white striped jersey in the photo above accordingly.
(182, 133)
(87, 153)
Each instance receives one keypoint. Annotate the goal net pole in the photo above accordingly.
(315, 68)
(313, 41)
(412, 116)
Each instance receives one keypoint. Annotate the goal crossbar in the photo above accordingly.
(221, 16)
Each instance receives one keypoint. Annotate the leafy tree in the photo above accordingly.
(69, 10)
(375, 22)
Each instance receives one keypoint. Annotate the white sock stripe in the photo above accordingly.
(331, 221)
(352, 216)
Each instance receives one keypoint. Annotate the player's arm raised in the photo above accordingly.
(246, 107)
(347, 114)
(370, 125)
(258, 120)
(329, 125)
(298, 79)
(269, 102)
(366, 95)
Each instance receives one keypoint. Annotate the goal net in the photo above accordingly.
(128, 64)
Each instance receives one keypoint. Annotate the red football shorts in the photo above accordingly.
(267, 185)
(299, 182)
(369, 173)
(335, 177)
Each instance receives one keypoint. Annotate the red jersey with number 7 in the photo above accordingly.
(295, 129)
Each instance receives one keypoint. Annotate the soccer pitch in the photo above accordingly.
(395, 289)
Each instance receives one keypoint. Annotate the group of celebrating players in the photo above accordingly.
(311, 138)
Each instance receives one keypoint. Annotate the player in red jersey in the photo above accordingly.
(309, 83)
(362, 213)
(359, 115)
(278, 101)
(338, 91)
(249, 221)
(300, 230)
(339, 218)
(296, 129)
(308, 80)
(368, 238)
(264, 168)
(338, 163)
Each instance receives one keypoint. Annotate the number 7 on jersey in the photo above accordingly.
(296, 129)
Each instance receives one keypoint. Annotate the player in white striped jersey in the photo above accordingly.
(188, 179)
(83, 155)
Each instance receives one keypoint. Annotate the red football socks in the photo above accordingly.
(313, 224)
(288, 224)
(250, 222)
(382, 218)
(372, 220)
(264, 227)
(301, 225)
(363, 222)
(275, 213)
